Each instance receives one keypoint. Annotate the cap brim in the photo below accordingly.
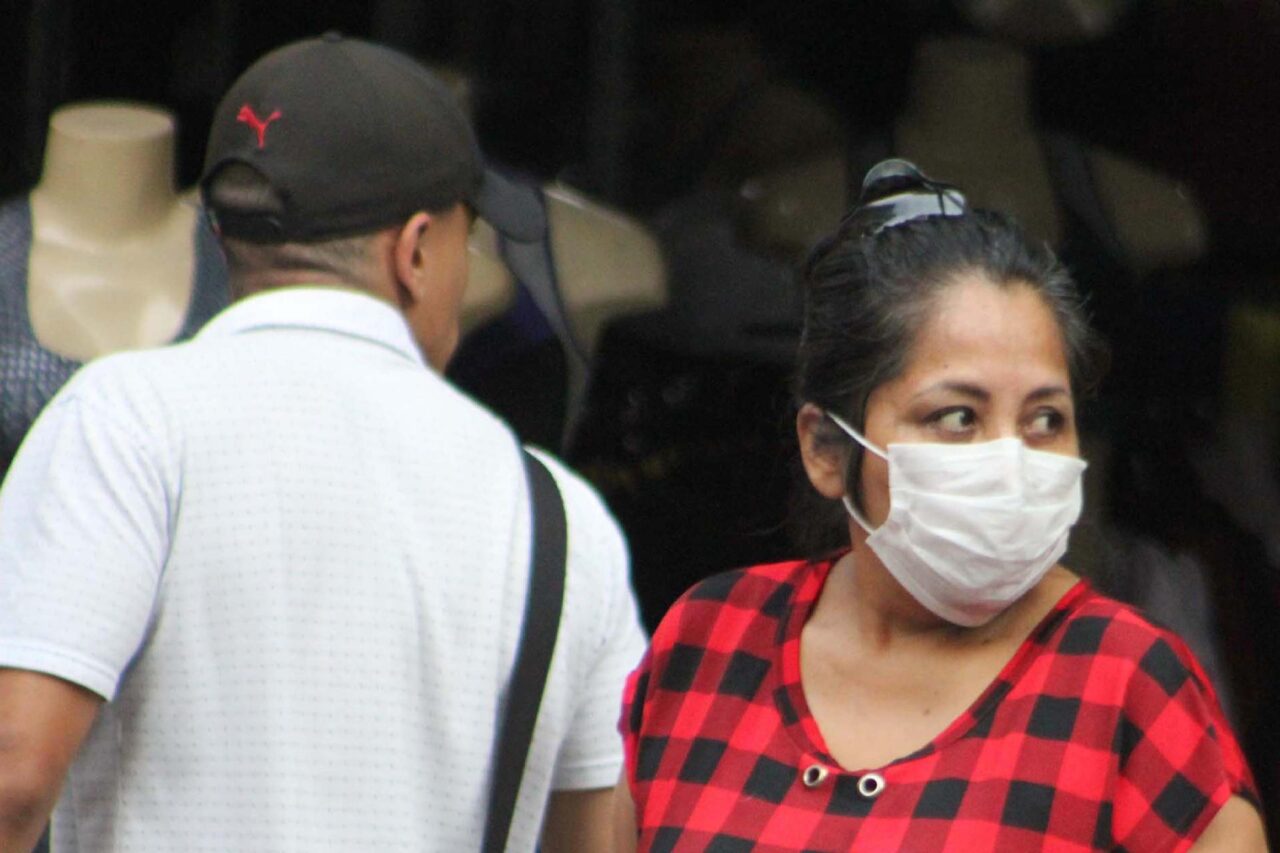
(513, 209)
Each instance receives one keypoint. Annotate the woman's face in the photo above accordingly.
(988, 363)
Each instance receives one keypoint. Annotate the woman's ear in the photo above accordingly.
(408, 257)
(824, 460)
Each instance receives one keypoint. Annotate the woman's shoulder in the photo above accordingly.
(1173, 744)
(753, 583)
(1113, 655)
(725, 603)
(1120, 636)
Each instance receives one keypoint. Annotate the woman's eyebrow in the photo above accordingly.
(966, 389)
(1048, 391)
(977, 392)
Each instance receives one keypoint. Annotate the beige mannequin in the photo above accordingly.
(607, 265)
(969, 122)
(490, 287)
(112, 253)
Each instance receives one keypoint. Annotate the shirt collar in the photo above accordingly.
(327, 309)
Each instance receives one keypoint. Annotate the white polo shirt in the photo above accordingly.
(294, 560)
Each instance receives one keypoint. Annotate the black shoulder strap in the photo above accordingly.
(543, 604)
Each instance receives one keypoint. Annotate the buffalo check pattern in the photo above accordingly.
(1102, 732)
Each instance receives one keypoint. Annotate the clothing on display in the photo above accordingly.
(30, 374)
(1101, 732)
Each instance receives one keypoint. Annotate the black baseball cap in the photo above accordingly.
(352, 137)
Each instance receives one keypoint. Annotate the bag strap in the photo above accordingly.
(543, 605)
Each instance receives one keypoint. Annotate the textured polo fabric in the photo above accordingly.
(1100, 733)
(294, 560)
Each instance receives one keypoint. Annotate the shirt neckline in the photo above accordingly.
(802, 726)
(327, 308)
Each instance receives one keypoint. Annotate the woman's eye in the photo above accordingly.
(959, 420)
(1046, 423)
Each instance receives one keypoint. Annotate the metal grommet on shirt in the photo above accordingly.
(814, 775)
(871, 785)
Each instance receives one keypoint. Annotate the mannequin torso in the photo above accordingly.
(102, 256)
(969, 119)
(490, 285)
(595, 265)
(112, 253)
(606, 265)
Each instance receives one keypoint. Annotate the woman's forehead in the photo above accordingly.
(998, 330)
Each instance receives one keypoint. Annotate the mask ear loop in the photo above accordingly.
(858, 437)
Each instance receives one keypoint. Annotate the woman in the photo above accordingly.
(941, 682)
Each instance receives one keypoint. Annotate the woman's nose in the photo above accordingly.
(1002, 427)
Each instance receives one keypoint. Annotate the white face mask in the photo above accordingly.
(972, 527)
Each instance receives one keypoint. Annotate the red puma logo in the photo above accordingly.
(249, 117)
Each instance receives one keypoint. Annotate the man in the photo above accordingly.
(263, 590)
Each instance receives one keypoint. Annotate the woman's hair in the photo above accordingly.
(870, 286)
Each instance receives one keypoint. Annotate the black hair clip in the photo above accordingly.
(896, 191)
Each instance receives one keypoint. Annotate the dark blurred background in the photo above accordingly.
(574, 86)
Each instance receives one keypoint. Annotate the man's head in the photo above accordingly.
(333, 160)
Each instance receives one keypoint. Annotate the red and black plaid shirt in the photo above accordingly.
(1102, 732)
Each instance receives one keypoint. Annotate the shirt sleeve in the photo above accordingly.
(1179, 760)
(590, 757)
(631, 722)
(83, 538)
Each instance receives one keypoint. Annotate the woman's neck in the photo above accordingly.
(970, 85)
(108, 172)
(862, 600)
(861, 596)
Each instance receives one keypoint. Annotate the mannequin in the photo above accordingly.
(527, 351)
(606, 265)
(490, 286)
(969, 121)
(962, 86)
(111, 259)
(104, 255)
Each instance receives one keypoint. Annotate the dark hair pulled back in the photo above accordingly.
(868, 288)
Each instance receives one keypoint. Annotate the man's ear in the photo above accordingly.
(409, 258)
(824, 460)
